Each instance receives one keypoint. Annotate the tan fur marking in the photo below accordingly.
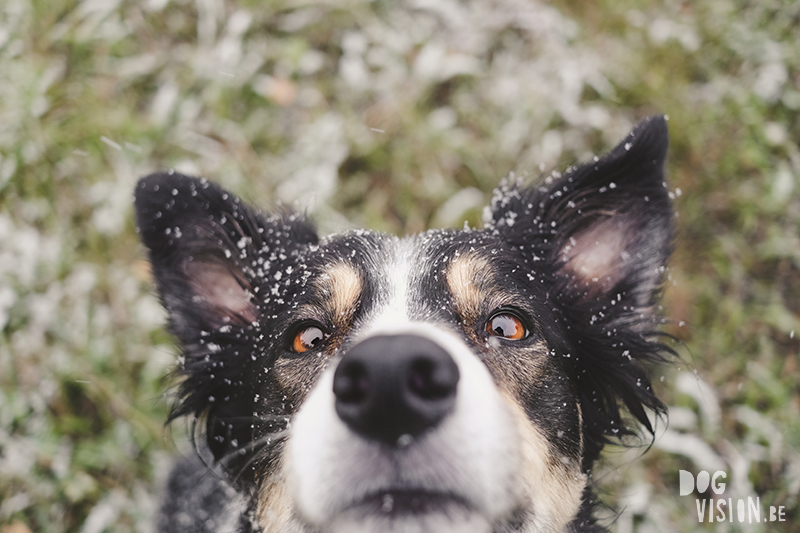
(470, 279)
(342, 284)
(553, 486)
(464, 281)
(274, 511)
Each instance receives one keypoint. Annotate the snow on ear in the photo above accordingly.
(212, 254)
(605, 225)
(613, 230)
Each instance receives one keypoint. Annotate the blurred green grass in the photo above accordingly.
(381, 114)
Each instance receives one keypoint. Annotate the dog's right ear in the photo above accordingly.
(222, 271)
(214, 258)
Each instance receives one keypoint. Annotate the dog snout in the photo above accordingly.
(393, 385)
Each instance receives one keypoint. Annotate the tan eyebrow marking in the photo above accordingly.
(342, 285)
(464, 276)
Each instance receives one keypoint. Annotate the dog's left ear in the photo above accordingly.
(600, 235)
(606, 226)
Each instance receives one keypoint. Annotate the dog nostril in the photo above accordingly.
(431, 381)
(351, 384)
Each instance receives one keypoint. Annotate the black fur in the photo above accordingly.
(185, 221)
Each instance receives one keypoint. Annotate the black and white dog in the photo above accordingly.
(452, 381)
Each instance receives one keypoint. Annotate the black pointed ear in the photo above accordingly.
(606, 226)
(220, 269)
(211, 254)
(600, 234)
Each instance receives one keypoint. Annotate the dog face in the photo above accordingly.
(448, 381)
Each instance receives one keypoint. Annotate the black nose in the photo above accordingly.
(393, 385)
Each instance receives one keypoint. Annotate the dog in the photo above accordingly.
(450, 381)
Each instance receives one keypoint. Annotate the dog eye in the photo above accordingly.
(308, 338)
(506, 325)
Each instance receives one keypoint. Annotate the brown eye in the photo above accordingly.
(506, 325)
(308, 338)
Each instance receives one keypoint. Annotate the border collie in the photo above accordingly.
(451, 381)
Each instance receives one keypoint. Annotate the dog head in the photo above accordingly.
(448, 381)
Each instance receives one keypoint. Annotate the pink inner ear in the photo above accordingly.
(596, 258)
(228, 298)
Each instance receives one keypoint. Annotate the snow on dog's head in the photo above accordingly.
(448, 381)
